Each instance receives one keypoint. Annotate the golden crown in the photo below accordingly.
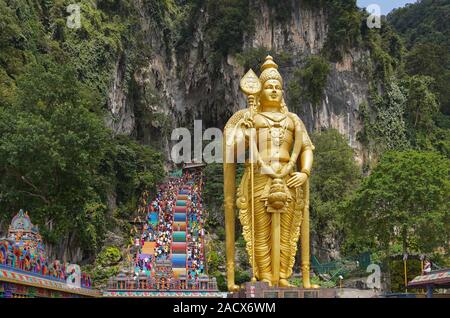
(269, 70)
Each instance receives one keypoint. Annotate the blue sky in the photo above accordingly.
(386, 5)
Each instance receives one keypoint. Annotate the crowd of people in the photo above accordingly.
(159, 223)
(160, 233)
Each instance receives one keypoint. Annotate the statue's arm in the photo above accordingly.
(306, 159)
(302, 146)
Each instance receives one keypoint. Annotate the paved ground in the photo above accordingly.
(356, 293)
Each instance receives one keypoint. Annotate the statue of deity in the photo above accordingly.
(273, 195)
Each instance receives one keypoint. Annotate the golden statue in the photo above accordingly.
(273, 196)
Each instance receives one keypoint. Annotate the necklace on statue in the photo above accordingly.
(277, 129)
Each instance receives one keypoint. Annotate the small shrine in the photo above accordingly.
(23, 247)
(23, 259)
(164, 277)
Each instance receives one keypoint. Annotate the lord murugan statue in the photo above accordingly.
(273, 195)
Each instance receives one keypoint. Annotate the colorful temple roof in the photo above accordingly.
(21, 222)
(439, 278)
(24, 262)
(24, 234)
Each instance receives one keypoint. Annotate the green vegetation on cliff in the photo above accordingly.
(425, 29)
(229, 20)
(309, 82)
(57, 158)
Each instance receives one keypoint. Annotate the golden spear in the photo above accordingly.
(251, 86)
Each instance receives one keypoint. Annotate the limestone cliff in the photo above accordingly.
(186, 85)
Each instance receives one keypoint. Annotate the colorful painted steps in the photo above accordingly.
(179, 236)
(179, 246)
(179, 226)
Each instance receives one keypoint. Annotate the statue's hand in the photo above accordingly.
(248, 121)
(247, 125)
(297, 179)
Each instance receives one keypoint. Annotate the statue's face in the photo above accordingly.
(272, 93)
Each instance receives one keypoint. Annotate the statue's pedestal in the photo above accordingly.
(262, 290)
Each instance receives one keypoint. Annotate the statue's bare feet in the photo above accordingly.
(266, 280)
(233, 288)
(284, 283)
(309, 285)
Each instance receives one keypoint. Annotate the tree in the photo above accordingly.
(432, 60)
(427, 128)
(58, 160)
(229, 21)
(404, 202)
(425, 29)
(421, 103)
(384, 124)
(334, 176)
(309, 82)
(135, 168)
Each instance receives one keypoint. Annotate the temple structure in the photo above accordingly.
(26, 271)
(438, 279)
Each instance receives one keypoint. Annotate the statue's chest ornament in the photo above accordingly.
(277, 128)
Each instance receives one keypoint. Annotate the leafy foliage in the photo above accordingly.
(228, 22)
(386, 52)
(345, 20)
(384, 125)
(109, 256)
(252, 57)
(405, 200)
(281, 10)
(309, 82)
(335, 170)
(426, 31)
(213, 192)
(421, 104)
(57, 158)
(334, 177)
(106, 265)
(396, 270)
(425, 21)
(314, 280)
(136, 168)
(59, 161)
(51, 149)
(432, 60)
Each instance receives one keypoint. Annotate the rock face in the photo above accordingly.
(186, 85)
(174, 87)
(304, 34)
(120, 117)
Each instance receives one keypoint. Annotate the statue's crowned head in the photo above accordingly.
(272, 86)
(269, 71)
